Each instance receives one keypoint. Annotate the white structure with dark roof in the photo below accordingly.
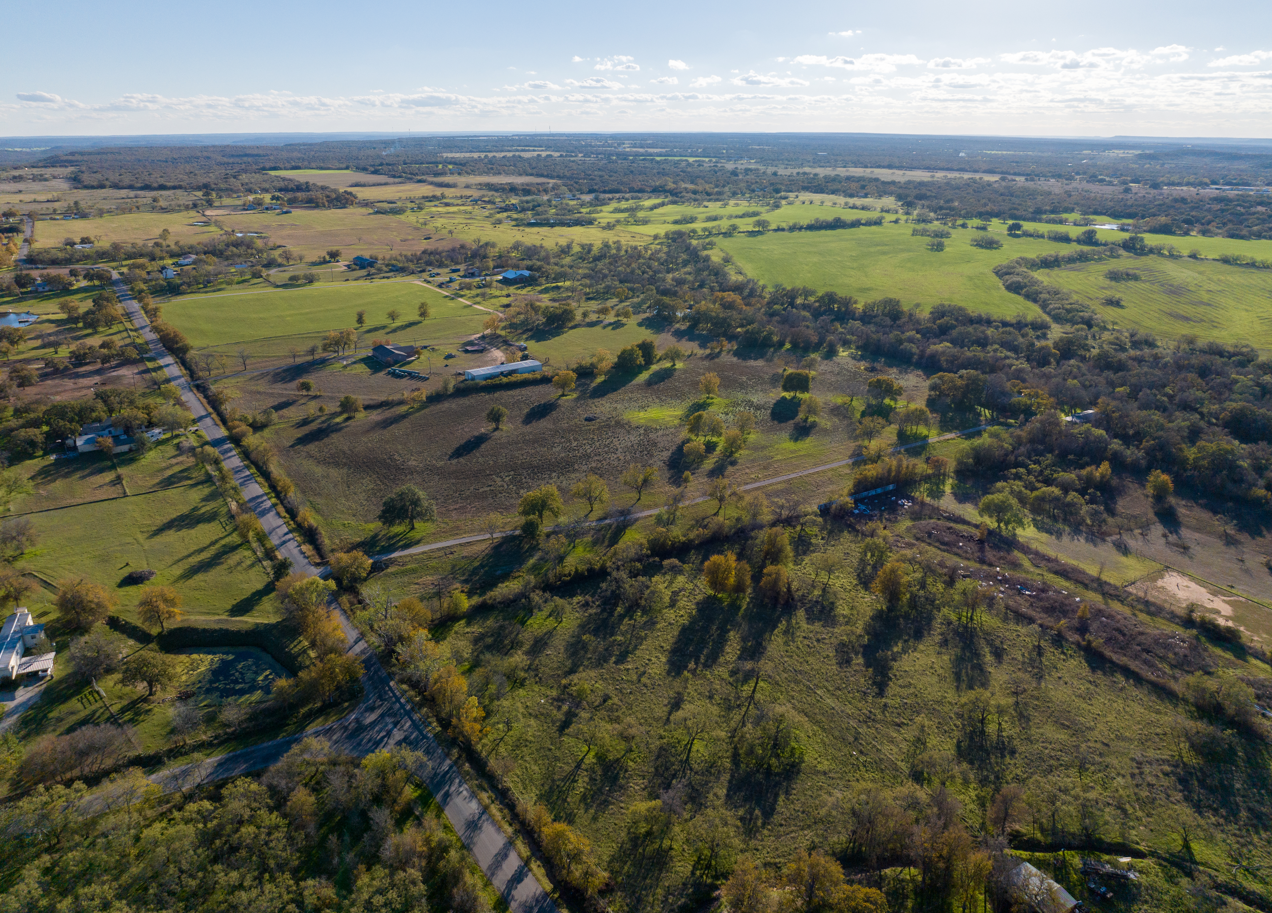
(18, 635)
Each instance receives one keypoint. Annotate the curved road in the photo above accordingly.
(384, 718)
(627, 516)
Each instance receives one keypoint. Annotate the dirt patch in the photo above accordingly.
(1176, 589)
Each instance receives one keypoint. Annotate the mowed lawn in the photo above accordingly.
(581, 342)
(184, 534)
(270, 323)
(886, 262)
(1174, 297)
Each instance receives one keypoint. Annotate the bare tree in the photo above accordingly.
(243, 356)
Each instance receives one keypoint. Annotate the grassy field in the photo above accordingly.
(582, 342)
(131, 227)
(93, 477)
(269, 323)
(885, 261)
(854, 687)
(1208, 299)
(184, 534)
(310, 232)
(229, 674)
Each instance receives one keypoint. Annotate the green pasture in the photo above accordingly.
(1175, 297)
(582, 342)
(269, 323)
(311, 232)
(218, 674)
(128, 228)
(886, 262)
(94, 477)
(184, 534)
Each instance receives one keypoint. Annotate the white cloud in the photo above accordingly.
(874, 63)
(702, 81)
(759, 79)
(957, 63)
(536, 85)
(1175, 53)
(40, 98)
(1096, 59)
(620, 62)
(677, 64)
(666, 81)
(594, 82)
(577, 59)
(847, 34)
(1241, 60)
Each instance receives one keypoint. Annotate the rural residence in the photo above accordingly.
(18, 635)
(121, 442)
(515, 275)
(361, 262)
(517, 367)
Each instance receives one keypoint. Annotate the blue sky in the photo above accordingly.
(1077, 68)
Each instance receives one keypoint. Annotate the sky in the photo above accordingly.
(1078, 68)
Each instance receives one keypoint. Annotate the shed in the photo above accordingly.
(1032, 890)
(392, 355)
(529, 366)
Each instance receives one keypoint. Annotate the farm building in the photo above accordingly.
(1083, 418)
(392, 355)
(18, 635)
(515, 275)
(1032, 890)
(517, 367)
(361, 262)
(187, 260)
(167, 272)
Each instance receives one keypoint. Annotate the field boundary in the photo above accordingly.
(126, 494)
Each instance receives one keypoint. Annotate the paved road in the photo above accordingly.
(383, 719)
(22, 698)
(636, 515)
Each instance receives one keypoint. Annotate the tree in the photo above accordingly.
(809, 410)
(243, 356)
(593, 490)
(542, 501)
(394, 315)
(1004, 511)
(96, 653)
(564, 381)
(1007, 809)
(83, 604)
(746, 890)
(333, 255)
(350, 405)
(361, 317)
(726, 576)
(1160, 487)
(892, 583)
(630, 360)
(12, 487)
(709, 384)
(882, 388)
(496, 415)
(638, 478)
(672, 354)
(775, 585)
(407, 505)
(157, 671)
(424, 310)
(871, 427)
(159, 605)
(797, 381)
(350, 568)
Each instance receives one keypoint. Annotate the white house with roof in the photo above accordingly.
(18, 636)
(121, 442)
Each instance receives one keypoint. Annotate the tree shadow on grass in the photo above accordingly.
(613, 382)
(786, 409)
(664, 373)
(316, 435)
(250, 602)
(207, 512)
(210, 560)
(700, 640)
(470, 446)
(539, 411)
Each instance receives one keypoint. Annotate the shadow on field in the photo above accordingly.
(657, 377)
(207, 511)
(316, 435)
(701, 639)
(539, 411)
(245, 605)
(470, 446)
(612, 383)
(786, 409)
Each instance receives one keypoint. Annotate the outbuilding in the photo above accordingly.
(392, 355)
(529, 366)
(1030, 889)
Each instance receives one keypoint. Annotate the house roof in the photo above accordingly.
(42, 663)
(1030, 886)
(392, 354)
(516, 274)
(516, 367)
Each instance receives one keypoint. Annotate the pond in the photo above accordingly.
(11, 319)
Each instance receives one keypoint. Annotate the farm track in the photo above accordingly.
(383, 719)
(628, 516)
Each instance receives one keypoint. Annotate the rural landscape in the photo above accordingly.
(636, 521)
